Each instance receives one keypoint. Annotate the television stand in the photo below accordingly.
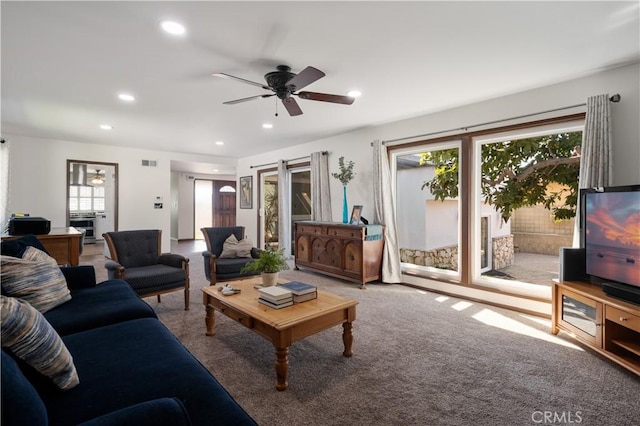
(608, 325)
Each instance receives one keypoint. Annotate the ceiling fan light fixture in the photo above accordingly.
(97, 179)
(173, 27)
(219, 143)
(106, 127)
(267, 126)
(354, 93)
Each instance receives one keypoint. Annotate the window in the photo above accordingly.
(86, 198)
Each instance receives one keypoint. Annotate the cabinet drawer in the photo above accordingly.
(310, 229)
(345, 232)
(232, 313)
(623, 318)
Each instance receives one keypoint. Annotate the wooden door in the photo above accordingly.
(224, 204)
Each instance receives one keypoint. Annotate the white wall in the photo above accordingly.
(38, 179)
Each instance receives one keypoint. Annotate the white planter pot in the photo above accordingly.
(269, 278)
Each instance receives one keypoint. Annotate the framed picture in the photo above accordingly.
(355, 215)
(246, 192)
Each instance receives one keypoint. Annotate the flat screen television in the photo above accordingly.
(611, 235)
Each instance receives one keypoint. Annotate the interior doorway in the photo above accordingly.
(92, 198)
(215, 204)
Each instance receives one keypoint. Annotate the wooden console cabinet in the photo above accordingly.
(63, 244)
(608, 325)
(339, 250)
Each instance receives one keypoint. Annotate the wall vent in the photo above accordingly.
(149, 163)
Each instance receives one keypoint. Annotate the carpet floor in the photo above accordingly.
(420, 358)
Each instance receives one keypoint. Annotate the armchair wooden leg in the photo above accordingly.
(158, 298)
(186, 299)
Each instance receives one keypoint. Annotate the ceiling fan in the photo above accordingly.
(284, 84)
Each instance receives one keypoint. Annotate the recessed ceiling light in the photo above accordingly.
(106, 127)
(173, 27)
(126, 97)
(354, 93)
(267, 125)
(219, 143)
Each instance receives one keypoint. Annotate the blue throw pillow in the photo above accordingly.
(21, 404)
(16, 248)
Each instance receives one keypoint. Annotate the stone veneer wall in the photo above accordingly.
(447, 257)
(503, 254)
(443, 257)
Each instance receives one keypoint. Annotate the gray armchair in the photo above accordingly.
(136, 259)
(226, 268)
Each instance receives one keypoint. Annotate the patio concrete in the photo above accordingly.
(531, 268)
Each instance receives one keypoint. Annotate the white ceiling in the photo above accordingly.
(63, 63)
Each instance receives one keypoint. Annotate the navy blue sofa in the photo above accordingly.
(132, 369)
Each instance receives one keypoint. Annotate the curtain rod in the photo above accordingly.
(293, 159)
(615, 98)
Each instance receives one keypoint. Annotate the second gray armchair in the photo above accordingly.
(136, 259)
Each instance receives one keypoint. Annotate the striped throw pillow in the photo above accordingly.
(27, 334)
(36, 278)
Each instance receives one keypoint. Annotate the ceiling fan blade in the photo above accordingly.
(325, 97)
(304, 78)
(292, 106)
(250, 98)
(241, 80)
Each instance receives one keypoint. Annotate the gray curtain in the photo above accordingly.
(596, 165)
(320, 193)
(384, 213)
(284, 228)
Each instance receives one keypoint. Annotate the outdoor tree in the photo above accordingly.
(517, 174)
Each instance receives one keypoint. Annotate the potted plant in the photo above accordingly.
(269, 263)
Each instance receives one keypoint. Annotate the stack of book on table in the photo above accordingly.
(275, 297)
(301, 291)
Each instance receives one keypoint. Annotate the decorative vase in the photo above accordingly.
(269, 279)
(345, 206)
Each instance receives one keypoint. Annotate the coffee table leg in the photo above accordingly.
(347, 338)
(282, 366)
(210, 320)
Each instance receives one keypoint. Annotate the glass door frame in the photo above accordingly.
(273, 171)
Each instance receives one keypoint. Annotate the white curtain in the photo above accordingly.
(320, 193)
(384, 213)
(596, 164)
(4, 185)
(284, 227)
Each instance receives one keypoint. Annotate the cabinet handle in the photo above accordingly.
(623, 319)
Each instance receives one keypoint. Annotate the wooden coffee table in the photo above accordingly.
(283, 326)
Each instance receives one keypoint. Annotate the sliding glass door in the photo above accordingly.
(298, 194)
(428, 217)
